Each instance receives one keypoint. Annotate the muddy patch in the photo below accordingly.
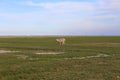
(49, 53)
(8, 51)
(87, 57)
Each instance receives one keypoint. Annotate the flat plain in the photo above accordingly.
(42, 58)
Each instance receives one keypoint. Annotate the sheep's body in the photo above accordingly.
(61, 41)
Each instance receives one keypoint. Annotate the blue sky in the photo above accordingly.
(59, 17)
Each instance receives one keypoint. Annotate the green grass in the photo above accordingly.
(66, 66)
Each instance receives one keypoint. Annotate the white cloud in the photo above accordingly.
(24, 17)
(62, 6)
(108, 16)
(16, 16)
(51, 10)
(109, 4)
(115, 4)
(93, 8)
(105, 4)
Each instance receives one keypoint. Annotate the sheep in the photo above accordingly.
(61, 41)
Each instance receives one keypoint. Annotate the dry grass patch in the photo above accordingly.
(22, 56)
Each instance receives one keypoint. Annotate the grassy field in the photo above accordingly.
(81, 58)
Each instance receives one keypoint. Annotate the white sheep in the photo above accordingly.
(61, 41)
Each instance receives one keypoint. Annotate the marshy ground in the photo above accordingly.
(42, 58)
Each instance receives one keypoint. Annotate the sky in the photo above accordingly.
(60, 17)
